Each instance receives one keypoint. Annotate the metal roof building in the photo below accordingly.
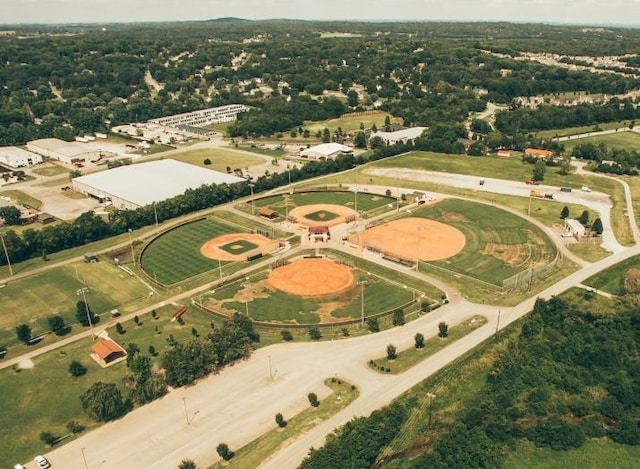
(326, 151)
(403, 135)
(67, 152)
(130, 187)
(15, 157)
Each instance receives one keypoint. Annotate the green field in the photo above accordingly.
(263, 303)
(175, 256)
(611, 280)
(349, 123)
(50, 170)
(581, 129)
(321, 215)
(21, 198)
(33, 299)
(621, 140)
(239, 247)
(366, 202)
(514, 245)
(220, 159)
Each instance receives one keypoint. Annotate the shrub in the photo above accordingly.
(120, 329)
(391, 352)
(373, 325)
(77, 369)
(48, 438)
(419, 340)
(313, 399)
(443, 330)
(314, 334)
(280, 420)
(286, 335)
(224, 452)
(75, 427)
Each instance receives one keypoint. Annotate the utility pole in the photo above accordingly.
(82, 291)
(133, 256)
(6, 253)
(431, 396)
(498, 321)
(251, 186)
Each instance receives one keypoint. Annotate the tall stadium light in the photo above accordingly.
(6, 253)
(133, 256)
(82, 291)
(253, 210)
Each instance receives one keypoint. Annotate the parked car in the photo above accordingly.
(42, 462)
(585, 189)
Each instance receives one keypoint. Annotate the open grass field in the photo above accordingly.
(351, 123)
(261, 302)
(175, 256)
(589, 251)
(220, 159)
(621, 140)
(581, 129)
(412, 356)
(367, 203)
(498, 243)
(611, 280)
(21, 198)
(33, 299)
(46, 397)
(49, 169)
(259, 450)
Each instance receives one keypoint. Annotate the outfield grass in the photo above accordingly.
(46, 397)
(521, 244)
(621, 140)
(611, 280)
(220, 159)
(175, 256)
(594, 454)
(33, 299)
(259, 450)
(351, 123)
(412, 356)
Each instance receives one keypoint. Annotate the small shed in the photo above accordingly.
(91, 258)
(107, 351)
(46, 218)
(574, 228)
(267, 213)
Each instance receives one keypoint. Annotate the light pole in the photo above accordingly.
(398, 195)
(529, 209)
(498, 321)
(133, 256)
(220, 268)
(362, 284)
(186, 413)
(431, 396)
(286, 207)
(84, 459)
(419, 230)
(6, 253)
(251, 186)
(155, 213)
(82, 291)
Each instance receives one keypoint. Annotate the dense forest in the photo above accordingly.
(572, 374)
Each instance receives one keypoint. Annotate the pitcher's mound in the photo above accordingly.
(311, 277)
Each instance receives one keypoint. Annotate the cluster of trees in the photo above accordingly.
(609, 160)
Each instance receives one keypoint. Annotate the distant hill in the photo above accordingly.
(228, 19)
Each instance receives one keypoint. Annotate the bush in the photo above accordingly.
(345, 332)
(373, 325)
(314, 334)
(48, 438)
(57, 325)
(187, 464)
(23, 332)
(398, 317)
(224, 452)
(120, 329)
(75, 427)
(443, 330)
(286, 335)
(419, 340)
(313, 399)
(391, 352)
(280, 420)
(77, 369)
(207, 161)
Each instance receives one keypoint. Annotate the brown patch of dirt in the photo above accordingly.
(509, 254)
(311, 277)
(211, 248)
(412, 238)
(632, 281)
(454, 217)
(300, 213)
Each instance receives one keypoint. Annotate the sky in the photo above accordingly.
(597, 12)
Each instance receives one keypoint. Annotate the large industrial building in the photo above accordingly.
(14, 157)
(212, 115)
(67, 152)
(400, 136)
(130, 187)
(326, 151)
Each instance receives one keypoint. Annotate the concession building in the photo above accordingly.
(133, 186)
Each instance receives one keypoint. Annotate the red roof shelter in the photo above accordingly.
(107, 350)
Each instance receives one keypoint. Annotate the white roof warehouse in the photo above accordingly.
(130, 187)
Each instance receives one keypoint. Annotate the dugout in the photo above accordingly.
(268, 213)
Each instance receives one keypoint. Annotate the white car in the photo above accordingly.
(42, 462)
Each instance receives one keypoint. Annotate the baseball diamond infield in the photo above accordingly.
(311, 277)
(336, 214)
(213, 248)
(413, 238)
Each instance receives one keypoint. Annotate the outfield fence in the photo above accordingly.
(527, 276)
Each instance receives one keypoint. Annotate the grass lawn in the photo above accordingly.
(22, 198)
(260, 150)
(412, 356)
(498, 243)
(46, 397)
(611, 280)
(581, 129)
(175, 255)
(351, 123)
(33, 299)
(321, 215)
(50, 170)
(220, 159)
(239, 247)
(594, 454)
(621, 140)
(589, 251)
(259, 450)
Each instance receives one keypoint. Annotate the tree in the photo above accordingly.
(398, 317)
(286, 335)
(57, 325)
(391, 352)
(103, 402)
(565, 165)
(224, 452)
(48, 438)
(373, 325)
(419, 340)
(443, 330)
(152, 351)
(597, 226)
(539, 168)
(120, 328)
(360, 140)
(83, 313)
(313, 399)
(565, 212)
(352, 98)
(23, 331)
(132, 351)
(314, 333)
(10, 215)
(207, 161)
(584, 218)
(75, 427)
(77, 369)
(280, 420)
(187, 464)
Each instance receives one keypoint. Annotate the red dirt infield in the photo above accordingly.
(300, 213)
(211, 248)
(311, 277)
(411, 238)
